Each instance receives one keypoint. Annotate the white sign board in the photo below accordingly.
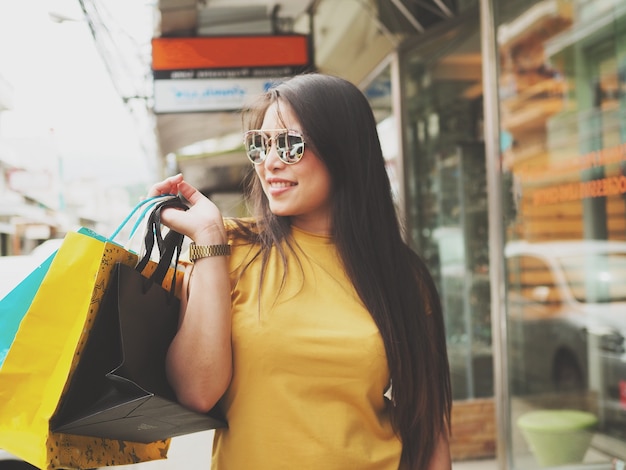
(198, 95)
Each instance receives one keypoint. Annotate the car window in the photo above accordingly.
(596, 278)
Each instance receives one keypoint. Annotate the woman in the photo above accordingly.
(321, 305)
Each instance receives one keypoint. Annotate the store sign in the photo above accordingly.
(220, 73)
(175, 96)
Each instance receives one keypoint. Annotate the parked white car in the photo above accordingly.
(567, 320)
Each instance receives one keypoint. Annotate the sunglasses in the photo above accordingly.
(289, 145)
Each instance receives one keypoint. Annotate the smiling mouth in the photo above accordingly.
(281, 184)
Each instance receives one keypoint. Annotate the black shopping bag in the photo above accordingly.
(119, 389)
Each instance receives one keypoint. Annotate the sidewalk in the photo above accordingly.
(194, 452)
(489, 464)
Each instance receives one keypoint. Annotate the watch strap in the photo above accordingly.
(203, 251)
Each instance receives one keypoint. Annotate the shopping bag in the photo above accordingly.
(45, 351)
(14, 305)
(119, 389)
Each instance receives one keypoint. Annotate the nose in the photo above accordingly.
(272, 159)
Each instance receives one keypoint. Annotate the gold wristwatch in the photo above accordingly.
(203, 251)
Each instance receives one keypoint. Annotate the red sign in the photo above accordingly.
(230, 52)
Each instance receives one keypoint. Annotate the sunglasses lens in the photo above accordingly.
(290, 147)
(255, 147)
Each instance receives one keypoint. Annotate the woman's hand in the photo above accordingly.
(167, 186)
(203, 221)
(199, 359)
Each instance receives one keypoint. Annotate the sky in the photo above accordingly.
(66, 113)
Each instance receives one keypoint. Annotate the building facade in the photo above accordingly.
(512, 117)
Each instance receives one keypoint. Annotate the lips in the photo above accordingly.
(276, 187)
(281, 184)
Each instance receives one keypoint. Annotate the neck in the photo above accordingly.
(317, 226)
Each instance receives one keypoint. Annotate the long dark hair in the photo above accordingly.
(391, 279)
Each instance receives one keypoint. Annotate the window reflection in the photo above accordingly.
(599, 278)
(563, 147)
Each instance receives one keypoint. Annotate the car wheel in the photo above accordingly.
(567, 374)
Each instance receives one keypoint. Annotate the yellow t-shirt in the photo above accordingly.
(310, 369)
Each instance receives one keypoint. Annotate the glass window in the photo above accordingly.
(562, 88)
(446, 194)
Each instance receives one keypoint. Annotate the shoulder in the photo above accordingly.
(243, 237)
(232, 224)
(241, 230)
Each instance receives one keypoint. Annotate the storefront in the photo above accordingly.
(562, 89)
(503, 124)
(513, 121)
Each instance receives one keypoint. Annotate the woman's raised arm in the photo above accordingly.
(199, 360)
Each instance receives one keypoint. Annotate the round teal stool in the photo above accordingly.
(557, 437)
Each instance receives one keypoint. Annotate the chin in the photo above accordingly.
(280, 211)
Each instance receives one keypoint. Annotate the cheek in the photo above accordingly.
(327, 189)
(259, 175)
(259, 172)
(322, 182)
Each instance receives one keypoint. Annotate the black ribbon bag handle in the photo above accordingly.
(120, 389)
(169, 246)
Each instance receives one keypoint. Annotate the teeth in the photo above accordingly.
(280, 184)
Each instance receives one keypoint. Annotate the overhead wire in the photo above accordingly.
(128, 64)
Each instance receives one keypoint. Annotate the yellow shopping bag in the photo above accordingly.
(120, 388)
(45, 352)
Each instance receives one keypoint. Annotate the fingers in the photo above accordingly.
(189, 192)
(175, 219)
(167, 186)
(202, 212)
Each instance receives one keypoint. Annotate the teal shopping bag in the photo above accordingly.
(14, 305)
